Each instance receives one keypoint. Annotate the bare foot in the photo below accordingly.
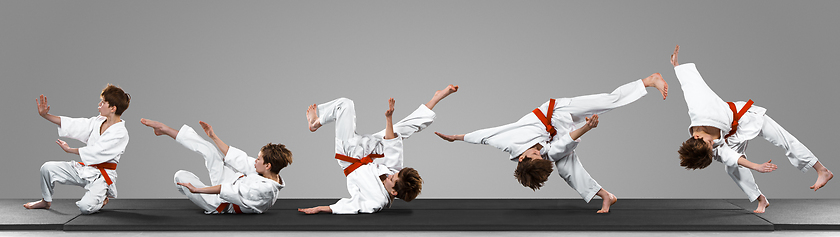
(312, 118)
(160, 128)
(439, 95)
(105, 202)
(762, 204)
(608, 201)
(655, 80)
(207, 129)
(823, 176)
(674, 60)
(40, 204)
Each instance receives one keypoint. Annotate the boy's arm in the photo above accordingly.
(210, 133)
(389, 124)
(44, 111)
(763, 168)
(591, 123)
(315, 210)
(451, 138)
(66, 147)
(208, 190)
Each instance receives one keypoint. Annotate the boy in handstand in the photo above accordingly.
(239, 183)
(548, 135)
(721, 131)
(105, 137)
(373, 163)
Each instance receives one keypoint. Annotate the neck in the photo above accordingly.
(272, 176)
(112, 119)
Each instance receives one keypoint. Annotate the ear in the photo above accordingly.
(393, 192)
(113, 108)
(521, 157)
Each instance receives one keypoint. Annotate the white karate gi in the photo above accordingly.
(241, 184)
(367, 193)
(100, 148)
(705, 108)
(517, 137)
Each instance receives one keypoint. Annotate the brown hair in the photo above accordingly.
(277, 155)
(115, 96)
(533, 173)
(695, 154)
(409, 185)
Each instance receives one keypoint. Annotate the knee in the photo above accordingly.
(89, 206)
(180, 174)
(345, 101)
(48, 166)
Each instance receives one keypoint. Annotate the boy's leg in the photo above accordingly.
(799, 156)
(94, 198)
(571, 170)
(213, 158)
(55, 172)
(585, 106)
(342, 111)
(744, 179)
(208, 202)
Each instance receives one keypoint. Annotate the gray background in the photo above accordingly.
(250, 68)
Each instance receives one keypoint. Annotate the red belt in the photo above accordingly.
(356, 162)
(736, 115)
(102, 167)
(224, 206)
(546, 119)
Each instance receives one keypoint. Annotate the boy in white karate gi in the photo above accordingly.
(721, 131)
(239, 183)
(373, 163)
(105, 137)
(535, 142)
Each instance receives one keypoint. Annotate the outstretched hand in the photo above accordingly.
(674, 60)
(390, 110)
(207, 129)
(188, 186)
(309, 211)
(766, 167)
(43, 107)
(450, 138)
(63, 145)
(592, 122)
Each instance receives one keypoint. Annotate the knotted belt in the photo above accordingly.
(356, 162)
(224, 206)
(546, 119)
(736, 115)
(102, 167)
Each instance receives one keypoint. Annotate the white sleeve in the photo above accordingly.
(562, 147)
(76, 128)
(728, 156)
(110, 146)
(252, 193)
(240, 161)
(491, 136)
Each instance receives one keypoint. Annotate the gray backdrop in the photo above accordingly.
(250, 68)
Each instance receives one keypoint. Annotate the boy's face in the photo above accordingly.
(390, 181)
(105, 109)
(260, 164)
(532, 153)
(707, 138)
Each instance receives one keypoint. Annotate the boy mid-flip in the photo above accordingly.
(548, 135)
(239, 183)
(721, 130)
(373, 163)
(105, 137)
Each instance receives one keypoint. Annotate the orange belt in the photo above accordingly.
(356, 162)
(102, 167)
(224, 206)
(546, 119)
(736, 115)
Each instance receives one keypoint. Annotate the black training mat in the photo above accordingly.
(799, 214)
(15, 217)
(438, 214)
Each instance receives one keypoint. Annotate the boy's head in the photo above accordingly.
(277, 156)
(533, 173)
(695, 154)
(115, 98)
(407, 184)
